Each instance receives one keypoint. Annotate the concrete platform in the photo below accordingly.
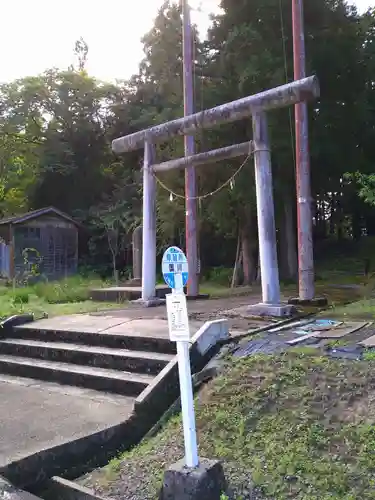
(124, 293)
(122, 332)
(37, 416)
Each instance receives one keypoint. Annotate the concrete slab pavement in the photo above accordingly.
(78, 322)
(39, 415)
(118, 325)
(200, 311)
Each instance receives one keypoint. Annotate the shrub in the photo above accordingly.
(20, 295)
(221, 275)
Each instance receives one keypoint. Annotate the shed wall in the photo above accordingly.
(46, 247)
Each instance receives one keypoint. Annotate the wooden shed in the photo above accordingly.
(43, 242)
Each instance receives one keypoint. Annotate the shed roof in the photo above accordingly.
(19, 219)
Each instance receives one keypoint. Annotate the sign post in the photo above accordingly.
(176, 273)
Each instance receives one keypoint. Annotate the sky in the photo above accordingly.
(40, 34)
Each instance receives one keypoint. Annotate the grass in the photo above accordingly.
(215, 290)
(336, 343)
(68, 296)
(72, 294)
(358, 310)
(345, 257)
(216, 283)
(360, 303)
(297, 425)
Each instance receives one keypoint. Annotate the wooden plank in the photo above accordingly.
(369, 342)
(341, 331)
(301, 338)
(336, 332)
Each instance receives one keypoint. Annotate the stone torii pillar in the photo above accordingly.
(255, 106)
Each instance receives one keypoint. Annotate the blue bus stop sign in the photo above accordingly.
(175, 268)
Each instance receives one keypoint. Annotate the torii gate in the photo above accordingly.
(255, 106)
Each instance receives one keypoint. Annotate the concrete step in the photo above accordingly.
(37, 415)
(133, 341)
(102, 357)
(100, 379)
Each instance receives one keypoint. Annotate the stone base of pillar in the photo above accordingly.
(205, 482)
(315, 302)
(271, 310)
(154, 302)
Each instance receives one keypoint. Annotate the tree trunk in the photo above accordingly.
(115, 271)
(370, 225)
(113, 239)
(249, 253)
(137, 253)
(259, 273)
(288, 243)
(356, 226)
(332, 216)
(237, 264)
(340, 219)
(321, 223)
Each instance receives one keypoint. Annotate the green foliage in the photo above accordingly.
(369, 355)
(366, 184)
(21, 296)
(32, 261)
(220, 276)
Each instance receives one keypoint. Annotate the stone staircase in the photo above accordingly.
(103, 361)
(78, 389)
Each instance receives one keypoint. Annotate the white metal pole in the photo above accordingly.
(187, 400)
(149, 225)
(265, 209)
(187, 405)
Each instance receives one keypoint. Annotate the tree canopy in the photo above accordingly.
(56, 131)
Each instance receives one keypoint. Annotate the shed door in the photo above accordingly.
(61, 244)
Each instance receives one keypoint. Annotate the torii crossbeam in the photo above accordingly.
(255, 106)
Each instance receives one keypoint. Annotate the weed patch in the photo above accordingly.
(65, 291)
(67, 296)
